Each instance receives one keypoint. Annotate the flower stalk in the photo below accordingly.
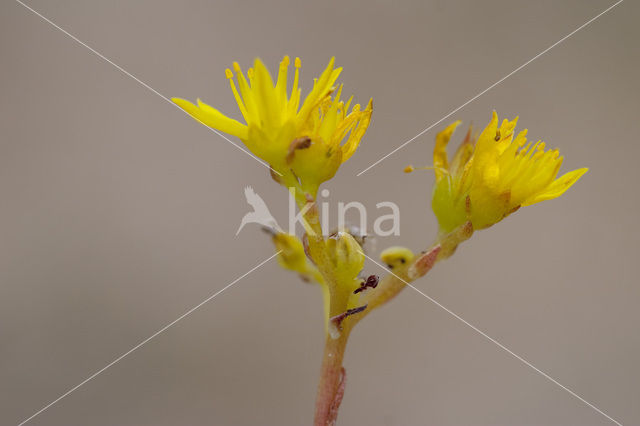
(332, 380)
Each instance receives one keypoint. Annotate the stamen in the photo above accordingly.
(410, 169)
(522, 138)
(539, 154)
(348, 104)
(296, 77)
(533, 150)
(523, 151)
(245, 91)
(236, 95)
(281, 83)
(294, 100)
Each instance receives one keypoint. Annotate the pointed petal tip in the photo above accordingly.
(369, 108)
(182, 103)
(257, 62)
(558, 186)
(581, 172)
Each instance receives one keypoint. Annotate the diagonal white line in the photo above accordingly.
(492, 86)
(163, 329)
(127, 73)
(500, 345)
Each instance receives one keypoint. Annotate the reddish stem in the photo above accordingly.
(332, 380)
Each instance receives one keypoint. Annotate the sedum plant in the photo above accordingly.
(305, 140)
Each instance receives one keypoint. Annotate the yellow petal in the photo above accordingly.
(440, 161)
(265, 94)
(487, 139)
(211, 117)
(557, 187)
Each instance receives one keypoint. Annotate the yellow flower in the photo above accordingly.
(493, 177)
(292, 256)
(303, 142)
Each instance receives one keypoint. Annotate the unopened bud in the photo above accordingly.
(347, 256)
(396, 257)
(292, 255)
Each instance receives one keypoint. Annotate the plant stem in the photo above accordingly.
(332, 379)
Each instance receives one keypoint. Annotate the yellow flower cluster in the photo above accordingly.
(304, 142)
(494, 176)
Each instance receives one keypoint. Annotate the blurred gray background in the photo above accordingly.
(118, 214)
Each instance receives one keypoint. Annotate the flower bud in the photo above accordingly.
(396, 257)
(347, 257)
(292, 254)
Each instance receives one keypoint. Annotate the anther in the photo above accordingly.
(297, 63)
(236, 67)
(497, 135)
(228, 73)
(409, 169)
